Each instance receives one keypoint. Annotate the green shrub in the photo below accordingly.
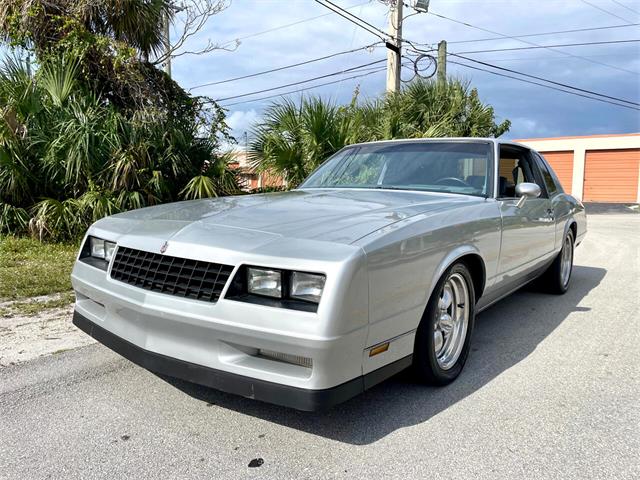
(93, 128)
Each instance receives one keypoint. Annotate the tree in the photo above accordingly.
(426, 108)
(97, 129)
(292, 139)
(194, 14)
(114, 40)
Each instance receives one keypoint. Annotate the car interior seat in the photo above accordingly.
(506, 188)
(476, 181)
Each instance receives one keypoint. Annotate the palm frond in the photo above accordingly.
(56, 220)
(58, 77)
(13, 220)
(200, 186)
(130, 200)
(14, 173)
(97, 204)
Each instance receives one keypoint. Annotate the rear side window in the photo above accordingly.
(549, 179)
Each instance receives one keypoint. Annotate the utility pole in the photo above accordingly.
(394, 46)
(167, 44)
(442, 61)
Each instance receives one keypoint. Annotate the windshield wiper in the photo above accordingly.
(389, 187)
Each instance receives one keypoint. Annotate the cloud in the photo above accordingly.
(240, 121)
(534, 110)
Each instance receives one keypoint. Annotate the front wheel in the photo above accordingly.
(444, 334)
(558, 275)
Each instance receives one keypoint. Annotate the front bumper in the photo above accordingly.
(227, 335)
(279, 394)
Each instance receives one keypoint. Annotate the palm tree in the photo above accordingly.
(292, 139)
(97, 128)
(67, 158)
(19, 104)
(433, 109)
(136, 23)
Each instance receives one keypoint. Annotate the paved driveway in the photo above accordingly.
(551, 390)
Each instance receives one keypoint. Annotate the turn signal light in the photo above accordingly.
(383, 347)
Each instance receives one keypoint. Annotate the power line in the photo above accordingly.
(353, 18)
(605, 11)
(531, 43)
(301, 81)
(285, 67)
(372, 71)
(451, 61)
(625, 6)
(542, 85)
(564, 85)
(286, 25)
(549, 59)
(575, 30)
(377, 70)
(554, 46)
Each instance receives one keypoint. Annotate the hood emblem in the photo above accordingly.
(164, 247)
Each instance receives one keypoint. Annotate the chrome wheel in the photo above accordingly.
(452, 320)
(566, 260)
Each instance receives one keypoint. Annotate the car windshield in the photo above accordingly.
(453, 167)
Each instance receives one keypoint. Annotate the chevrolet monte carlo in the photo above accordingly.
(379, 261)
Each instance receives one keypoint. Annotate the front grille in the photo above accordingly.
(181, 277)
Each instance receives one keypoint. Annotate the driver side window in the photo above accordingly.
(514, 167)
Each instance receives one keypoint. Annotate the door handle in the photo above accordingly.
(550, 213)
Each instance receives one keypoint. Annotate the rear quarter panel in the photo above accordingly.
(406, 259)
(568, 210)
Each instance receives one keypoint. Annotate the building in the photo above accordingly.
(249, 178)
(595, 168)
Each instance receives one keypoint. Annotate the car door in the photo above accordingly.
(528, 225)
(561, 208)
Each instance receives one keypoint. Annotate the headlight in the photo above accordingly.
(277, 288)
(97, 252)
(307, 286)
(264, 282)
(97, 247)
(109, 248)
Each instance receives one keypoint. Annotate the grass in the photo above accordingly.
(33, 307)
(29, 268)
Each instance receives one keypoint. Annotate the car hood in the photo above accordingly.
(333, 215)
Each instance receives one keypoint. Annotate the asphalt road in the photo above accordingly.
(551, 390)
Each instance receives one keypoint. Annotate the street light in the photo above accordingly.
(421, 5)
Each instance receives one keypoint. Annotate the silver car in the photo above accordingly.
(379, 261)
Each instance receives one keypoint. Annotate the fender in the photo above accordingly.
(566, 228)
(449, 259)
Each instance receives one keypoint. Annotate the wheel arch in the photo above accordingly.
(472, 258)
(574, 228)
(572, 225)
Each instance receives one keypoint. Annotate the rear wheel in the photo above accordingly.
(444, 334)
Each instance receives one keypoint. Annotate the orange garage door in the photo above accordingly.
(562, 164)
(611, 176)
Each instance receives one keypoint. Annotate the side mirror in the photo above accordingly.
(527, 190)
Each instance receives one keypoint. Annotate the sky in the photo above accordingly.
(265, 42)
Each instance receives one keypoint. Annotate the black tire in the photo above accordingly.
(425, 363)
(553, 280)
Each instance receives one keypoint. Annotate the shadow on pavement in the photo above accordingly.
(504, 335)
